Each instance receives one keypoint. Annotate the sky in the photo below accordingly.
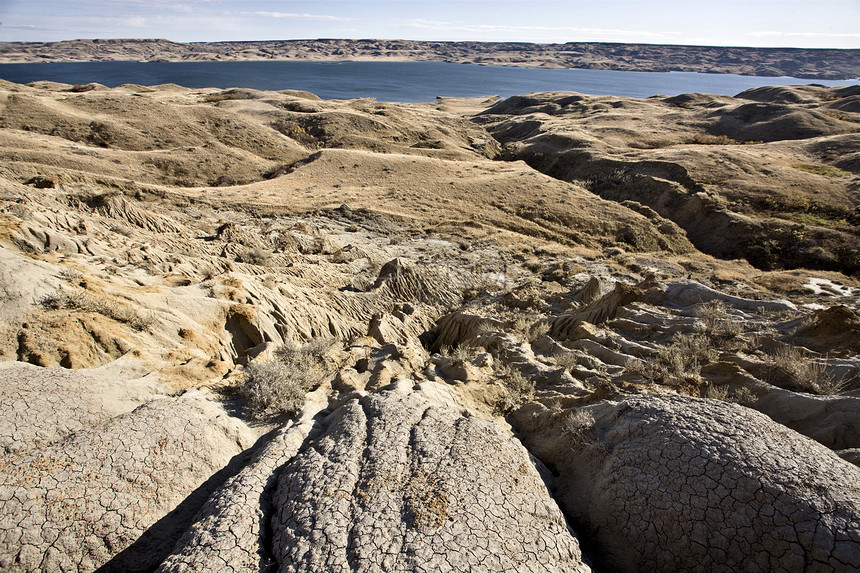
(760, 23)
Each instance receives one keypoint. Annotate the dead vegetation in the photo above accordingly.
(277, 386)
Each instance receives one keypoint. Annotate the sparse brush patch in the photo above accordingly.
(794, 369)
(679, 364)
(825, 170)
(306, 356)
(231, 94)
(76, 300)
(566, 360)
(530, 328)
(742, 396)
(716, 322)
(706, 139)
(255, 256)
(296, 132)
(463, 353)
(517, 387)
(715, 392)
(72, 276)
(278, 386)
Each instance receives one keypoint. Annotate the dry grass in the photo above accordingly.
(85, 302)
(793, 368)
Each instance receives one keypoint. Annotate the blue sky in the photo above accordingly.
(790, 23)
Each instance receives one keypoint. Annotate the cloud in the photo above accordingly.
(292, 16)
(775, 34)
(488, 29)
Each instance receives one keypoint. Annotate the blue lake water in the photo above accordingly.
(392, 81)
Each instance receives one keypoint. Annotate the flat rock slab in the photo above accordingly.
(397, 483)
(40, 406)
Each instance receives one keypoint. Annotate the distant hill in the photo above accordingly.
(829, 64)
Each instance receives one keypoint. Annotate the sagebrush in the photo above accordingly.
(279, 385)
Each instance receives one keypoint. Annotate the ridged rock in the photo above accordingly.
(398, 484)
(231, 531)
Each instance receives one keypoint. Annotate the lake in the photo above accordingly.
(392, 81)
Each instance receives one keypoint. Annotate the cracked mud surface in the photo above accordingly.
(714, 487)
(399, 484)
(501, 370)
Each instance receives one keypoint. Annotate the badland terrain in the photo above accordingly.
(253, 331)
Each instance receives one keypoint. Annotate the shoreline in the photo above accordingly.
(802, 63)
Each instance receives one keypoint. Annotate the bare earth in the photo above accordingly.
(255, 331)
(796, 62)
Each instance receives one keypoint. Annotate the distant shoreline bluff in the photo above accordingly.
(824, 64)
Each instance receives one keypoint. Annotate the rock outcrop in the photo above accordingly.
(397, 483)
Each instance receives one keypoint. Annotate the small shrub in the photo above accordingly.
(566, 360)
(716, 322)
(255, 256)
(279, 386)
(578, 427)
(791, 368)
(716, 392)
(272, 387)
(530, 328)
(517, 387)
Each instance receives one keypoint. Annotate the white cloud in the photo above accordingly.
(292, 16)
(489, 29)
(775, 34)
